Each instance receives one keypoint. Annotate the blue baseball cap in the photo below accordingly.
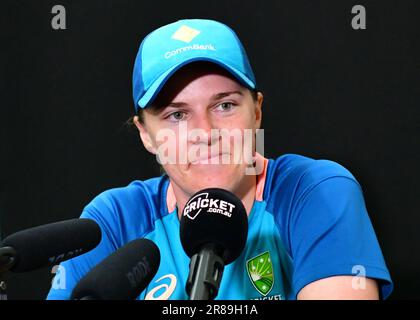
(168, 48)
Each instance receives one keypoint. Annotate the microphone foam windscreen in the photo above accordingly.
(214, 216)
(52, 243)
(123, 275)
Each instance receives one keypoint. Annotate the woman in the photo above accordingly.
(309, 231)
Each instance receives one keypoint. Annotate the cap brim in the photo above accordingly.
(157, 85)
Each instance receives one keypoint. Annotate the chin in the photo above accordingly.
(213, 176)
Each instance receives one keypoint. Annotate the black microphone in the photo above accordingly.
(123, 275)
(213, 231)
(48, 244)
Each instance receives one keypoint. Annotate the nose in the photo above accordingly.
(201, 127)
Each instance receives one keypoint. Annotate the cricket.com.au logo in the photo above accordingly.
(260, 271)
(202, 201)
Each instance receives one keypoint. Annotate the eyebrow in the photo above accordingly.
(221, 95)
(214, 97)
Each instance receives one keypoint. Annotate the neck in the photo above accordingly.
(246, 193)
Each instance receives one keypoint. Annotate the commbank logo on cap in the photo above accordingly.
(185, 34)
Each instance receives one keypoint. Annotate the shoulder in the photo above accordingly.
(293, 175)
(138, 193)
(305, 169)
(129, 212)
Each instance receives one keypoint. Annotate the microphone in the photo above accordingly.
(213, 232)
(123, 275)
(48, 244)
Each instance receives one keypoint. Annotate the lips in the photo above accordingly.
(209, 159)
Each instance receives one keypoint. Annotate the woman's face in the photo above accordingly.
(185, 125)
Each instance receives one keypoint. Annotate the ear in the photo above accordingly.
(258, 111)
(144, 135)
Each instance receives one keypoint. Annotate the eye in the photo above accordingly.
(225, 106)
(176, 116)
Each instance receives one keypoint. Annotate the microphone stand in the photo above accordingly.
(206, 269)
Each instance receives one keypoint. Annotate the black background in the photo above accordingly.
(331, 92)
